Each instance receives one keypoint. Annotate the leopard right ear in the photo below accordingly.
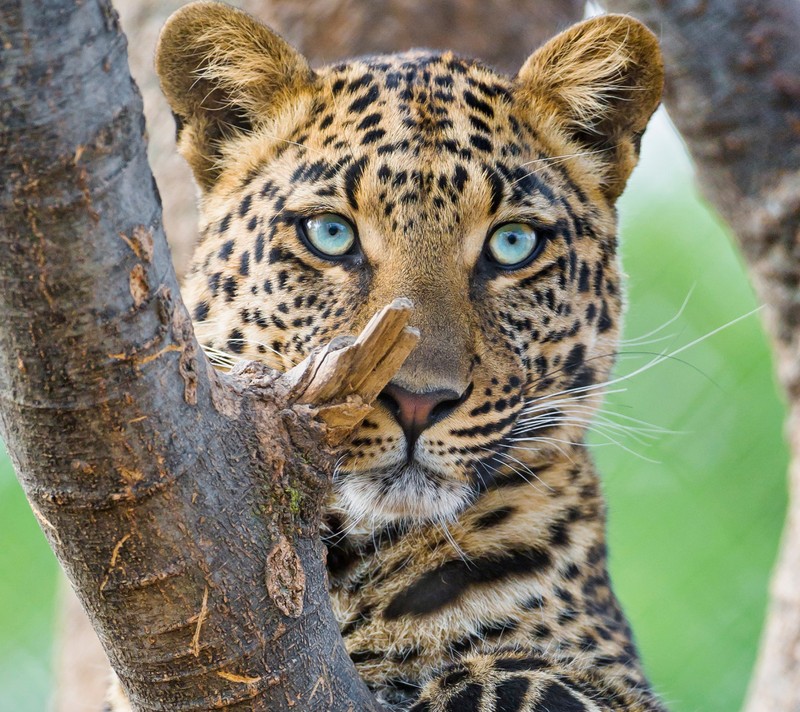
(603, 79)
(223, 73)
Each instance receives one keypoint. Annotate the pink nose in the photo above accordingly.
(417, 411)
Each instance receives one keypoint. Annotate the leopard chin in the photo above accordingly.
(408, 491)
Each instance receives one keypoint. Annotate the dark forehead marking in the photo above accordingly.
(561, 170)
(497, 188)
(478, 104)
(494, 89)
(352, 179)
(420, 88)
(359, 83)
(522, 181)
(365, 101)
(408, 74)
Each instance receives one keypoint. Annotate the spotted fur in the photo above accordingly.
(468, 568)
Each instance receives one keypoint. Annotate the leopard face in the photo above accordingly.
(488, 201)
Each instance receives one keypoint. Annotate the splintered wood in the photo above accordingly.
(343, 379)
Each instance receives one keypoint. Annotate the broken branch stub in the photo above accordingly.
(342, 380)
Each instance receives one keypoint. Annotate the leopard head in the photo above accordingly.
(487, 200)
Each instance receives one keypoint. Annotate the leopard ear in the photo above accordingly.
(223, 73)
(600, 80)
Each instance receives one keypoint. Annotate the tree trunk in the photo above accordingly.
(182, 504)
(733, 91)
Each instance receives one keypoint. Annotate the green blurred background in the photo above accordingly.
(693, 527)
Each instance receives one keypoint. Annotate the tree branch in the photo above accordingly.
(500, 32)
(183, 504)
(733, 90)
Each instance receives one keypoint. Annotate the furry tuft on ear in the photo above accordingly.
(223, 72)
(603, 78)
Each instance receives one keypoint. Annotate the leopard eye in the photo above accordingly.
(512, 245)
(329, 234)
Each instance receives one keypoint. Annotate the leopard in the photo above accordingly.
(465, 530)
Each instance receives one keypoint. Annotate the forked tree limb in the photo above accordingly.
(184, 504)
(733, 91)
(112, 414)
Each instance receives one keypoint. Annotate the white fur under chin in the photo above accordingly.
(410, 493)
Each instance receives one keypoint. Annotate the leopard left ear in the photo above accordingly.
(223, 73)
(601, 80)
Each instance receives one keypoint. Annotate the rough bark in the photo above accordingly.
(183, 504)
(733, 91)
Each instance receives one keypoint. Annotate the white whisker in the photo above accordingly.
(639, 340)
(659, 359)
(555, 160)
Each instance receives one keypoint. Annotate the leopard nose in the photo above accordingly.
(417, 411)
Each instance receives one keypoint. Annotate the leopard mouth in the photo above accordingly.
(407, 490)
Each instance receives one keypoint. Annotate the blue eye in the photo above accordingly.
(329, 234)
(512, 244)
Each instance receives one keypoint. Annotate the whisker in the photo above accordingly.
(657, 360)
(589, 424)
(527, 469)
(543, 405)
(513, 470)
(604, 415)
(555, 160)
(638, 339)
(543, 439)
(611, 441)
(441, 524)
(604, 427)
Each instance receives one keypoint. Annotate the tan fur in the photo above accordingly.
(469, 572)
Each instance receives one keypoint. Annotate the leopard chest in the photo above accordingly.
(520, 567)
